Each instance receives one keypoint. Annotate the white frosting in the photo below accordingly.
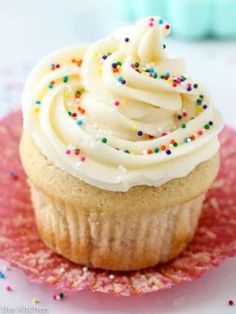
(124, 127)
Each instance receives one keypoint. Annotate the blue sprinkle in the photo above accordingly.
(161, 21)
(2, 275)
(167, 74)
(187, 140)
(80, 122)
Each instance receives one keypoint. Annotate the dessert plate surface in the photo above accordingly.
(215, 239)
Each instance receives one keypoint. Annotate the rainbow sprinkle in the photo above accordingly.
(175, 81)
(75, 151)
(55, 66)
(167, 147)
(77, 62)
(152, 21)
(58, 297)
(116, 69)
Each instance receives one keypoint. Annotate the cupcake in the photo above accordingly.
(120, 147)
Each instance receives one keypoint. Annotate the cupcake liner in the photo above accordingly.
(111, 240)
(20, 244)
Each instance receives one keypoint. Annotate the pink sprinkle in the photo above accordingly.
(151, 24)
(151, 19)
(8, 288)
(54, 297)
(68, 152)
(82, 158)
(132, 65)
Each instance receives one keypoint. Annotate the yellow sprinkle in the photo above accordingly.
(95, 54)
(66, 95)
(169, 80)
(35, 301)
(125, 102)
(36, 109)
(100, 71)
(134, 127)
(199, 109)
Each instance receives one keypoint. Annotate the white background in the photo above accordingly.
(31, 29)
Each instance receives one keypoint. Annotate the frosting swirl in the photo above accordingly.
(120, 112)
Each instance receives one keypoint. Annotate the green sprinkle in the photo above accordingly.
(183, 125)
(199, 101)
(118, 63)
(175, 144)
(65, 79)
(69, 113)
(136, 64)
(156, 150)
(162, 76)
(37, 102)
(127, 151)
(50, 85)
(164, 46)
(104, 140)
(195, 85)
(207, 126)
(155, 75)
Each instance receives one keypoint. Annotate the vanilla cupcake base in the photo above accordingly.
(114, 230)
(115, 240)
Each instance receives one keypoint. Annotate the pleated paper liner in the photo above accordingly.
(215, 239)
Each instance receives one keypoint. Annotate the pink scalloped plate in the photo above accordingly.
(20, 244)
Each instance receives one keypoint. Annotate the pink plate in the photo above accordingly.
(20, 244)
